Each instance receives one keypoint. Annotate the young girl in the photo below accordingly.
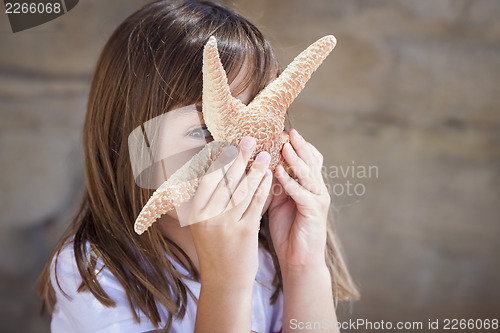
(269, 266)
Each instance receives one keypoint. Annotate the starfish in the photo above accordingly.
(229, 121)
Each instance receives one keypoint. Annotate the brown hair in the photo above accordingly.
(151, 63)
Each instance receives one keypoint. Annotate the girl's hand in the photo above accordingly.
(298, 221)
(225, 217)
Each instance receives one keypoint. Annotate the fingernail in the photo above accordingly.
(263, 157)
(247, 143)
(297, 134)
(268, 173)
(280, 169)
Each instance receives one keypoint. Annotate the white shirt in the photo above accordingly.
(82, 312)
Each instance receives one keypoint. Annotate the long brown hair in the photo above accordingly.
(151, 63)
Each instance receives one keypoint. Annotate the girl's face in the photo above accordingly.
(182, 134)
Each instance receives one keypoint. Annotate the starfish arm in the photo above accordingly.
(179, 187)
(218, 104)
(163, 200)
(279, 94)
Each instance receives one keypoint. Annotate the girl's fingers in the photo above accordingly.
(218, 175)
(298, 166)
(222, 194)
(253, 212)
(242, 196)
(301, 146)
(317, 155)
(308, 153)
(294, 189)
(310, 180)
(302, 153)
(213, 177)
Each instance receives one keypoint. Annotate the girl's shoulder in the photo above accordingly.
(64, 274)
(79, 310)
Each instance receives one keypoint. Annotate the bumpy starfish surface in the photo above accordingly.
(229, 120)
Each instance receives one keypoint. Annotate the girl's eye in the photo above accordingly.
(200, 133)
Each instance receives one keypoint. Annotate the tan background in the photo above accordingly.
(412, 88)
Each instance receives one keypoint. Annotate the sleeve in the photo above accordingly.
(81, 311)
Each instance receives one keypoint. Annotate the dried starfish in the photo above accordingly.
(229, 120)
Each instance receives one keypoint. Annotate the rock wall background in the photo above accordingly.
(411, 89)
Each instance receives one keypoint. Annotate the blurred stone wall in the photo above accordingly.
(411, 90)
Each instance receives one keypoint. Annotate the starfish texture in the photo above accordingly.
(229, 121)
